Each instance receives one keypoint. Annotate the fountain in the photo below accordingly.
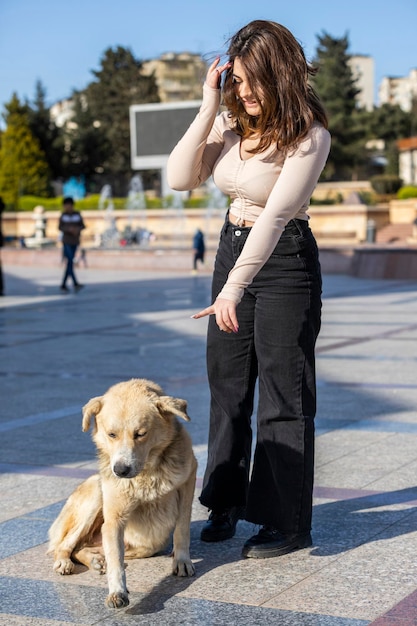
(136, 208)
(136, 201)
(39, 240)
(110, 238)
(217, 204)
(177, 215)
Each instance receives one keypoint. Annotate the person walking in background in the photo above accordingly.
(2, 207)
(70, 224)
(266, 151)
(199, 248)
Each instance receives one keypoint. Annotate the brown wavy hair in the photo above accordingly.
(278, 74)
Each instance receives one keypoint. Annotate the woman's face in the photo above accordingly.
(243, 90)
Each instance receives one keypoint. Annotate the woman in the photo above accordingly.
(266, 152)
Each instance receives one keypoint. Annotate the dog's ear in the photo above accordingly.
(176, 406)
(90, 410)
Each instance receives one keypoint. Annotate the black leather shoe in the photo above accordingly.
(270, 542)
(221, 525)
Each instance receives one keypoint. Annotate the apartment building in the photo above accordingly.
(363, 69)
(408, 160)
(399, 90)
(179, 76)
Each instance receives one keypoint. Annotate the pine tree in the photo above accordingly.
(23, 166)
(337, 89)
(87, 147)
(119, 83)
(45, 130)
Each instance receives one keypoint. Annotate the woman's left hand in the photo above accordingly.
(214, 73)
(225, 312)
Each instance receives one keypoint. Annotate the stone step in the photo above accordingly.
(394, 233)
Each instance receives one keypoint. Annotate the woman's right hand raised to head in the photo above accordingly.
(215, 71)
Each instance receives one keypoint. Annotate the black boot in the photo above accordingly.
(271, 542)
(221, 525)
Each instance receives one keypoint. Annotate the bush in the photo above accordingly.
(410, 191)
(90, 203)
(28, 203)
(154, 203)
(386, 184)
(368, 197)
(201, 202)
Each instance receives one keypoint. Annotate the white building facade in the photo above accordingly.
(408, 160)
(363, 70)
(399, 90)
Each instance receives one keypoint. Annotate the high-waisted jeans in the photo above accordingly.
(279, 321)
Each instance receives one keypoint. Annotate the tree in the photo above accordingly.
(45, 130)
(23, 166)
(119, 83)
(389, 122)
(86, 146)
(337, 89)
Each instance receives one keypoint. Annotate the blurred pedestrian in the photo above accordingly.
(70, 224)
(199, 248)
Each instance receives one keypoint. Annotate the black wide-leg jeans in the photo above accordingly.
(279, 321)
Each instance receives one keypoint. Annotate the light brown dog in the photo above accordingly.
(143, 491)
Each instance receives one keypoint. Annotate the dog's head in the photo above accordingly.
(133, 422)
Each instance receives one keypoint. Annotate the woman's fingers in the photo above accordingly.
(208, 311)
(225, 312)
(214, 73)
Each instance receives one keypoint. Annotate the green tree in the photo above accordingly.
(337, 89)
(23, 166)
(86, 145)
(119, 83)
(45, 130)
(389, 122)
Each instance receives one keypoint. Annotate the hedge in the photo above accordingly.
(409, 191)
(385, 184)
(92, 202)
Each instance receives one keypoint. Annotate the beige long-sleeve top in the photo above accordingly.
(268, 189)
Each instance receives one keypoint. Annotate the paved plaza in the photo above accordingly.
(58, 351)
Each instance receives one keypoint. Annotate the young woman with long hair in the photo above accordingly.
(266, 151)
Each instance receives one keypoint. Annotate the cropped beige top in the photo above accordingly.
(268, 188)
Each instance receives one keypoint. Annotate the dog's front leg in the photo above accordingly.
(113, 545)
(182, 564)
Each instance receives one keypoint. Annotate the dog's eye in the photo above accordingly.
(139, 434)
(112, 435)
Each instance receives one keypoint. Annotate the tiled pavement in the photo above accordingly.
(58, 351)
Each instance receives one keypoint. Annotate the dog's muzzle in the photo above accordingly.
(122, 470)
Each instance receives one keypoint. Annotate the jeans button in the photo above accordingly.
(238, 233)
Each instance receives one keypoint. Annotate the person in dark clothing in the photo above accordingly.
(199, 248)
(70, 224)
(2, 207)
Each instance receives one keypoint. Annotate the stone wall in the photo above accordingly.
(333, 224)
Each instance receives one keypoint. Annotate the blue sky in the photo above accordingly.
(61, 42)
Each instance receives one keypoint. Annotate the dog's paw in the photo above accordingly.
(117, 600)
(64, 567)
(183, 567)
(98, 564)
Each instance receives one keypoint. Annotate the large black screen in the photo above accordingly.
(158, 130)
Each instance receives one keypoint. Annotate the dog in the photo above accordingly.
(143, 491)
